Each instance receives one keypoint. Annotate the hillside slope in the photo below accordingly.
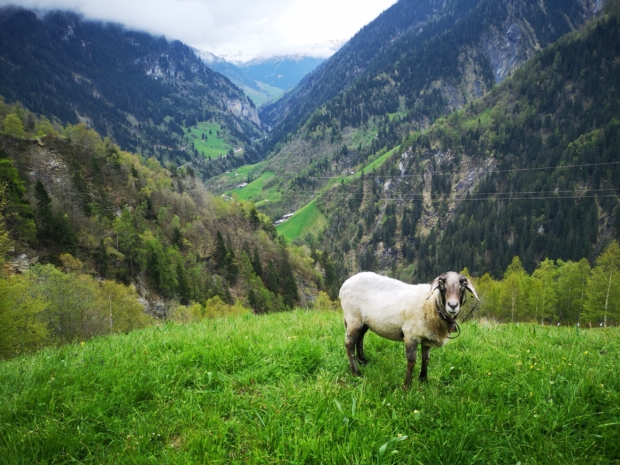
(413, 64)
(142, 91)
(127, 218)
(529, 170)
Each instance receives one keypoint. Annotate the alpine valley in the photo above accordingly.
(175, 229)
(475, 135)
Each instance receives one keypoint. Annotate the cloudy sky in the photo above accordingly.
(242, 28)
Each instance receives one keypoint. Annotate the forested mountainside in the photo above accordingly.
(530, 170)
(72, 199)
(143, 92)
(348, 63)
(421, 61)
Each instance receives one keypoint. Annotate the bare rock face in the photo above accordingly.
(156, 308)
(22, 263)
(510, 48)
(243, 110)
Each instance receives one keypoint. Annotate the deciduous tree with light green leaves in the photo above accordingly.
(603, 290)
(13, 125)
(543, 292)
(5, 240)
(513, 290)
(21, 329)
(572, 280)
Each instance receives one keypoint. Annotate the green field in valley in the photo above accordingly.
(277, 389)
(212, 145)
(254, 190)
(307, 219)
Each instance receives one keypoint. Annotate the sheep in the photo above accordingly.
(415, 314)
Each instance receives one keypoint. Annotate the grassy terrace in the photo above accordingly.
(277, 389)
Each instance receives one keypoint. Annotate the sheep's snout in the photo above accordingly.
(453, 307)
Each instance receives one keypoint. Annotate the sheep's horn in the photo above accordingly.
(434, 285)
(470, 287)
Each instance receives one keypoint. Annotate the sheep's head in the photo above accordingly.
(452, 288)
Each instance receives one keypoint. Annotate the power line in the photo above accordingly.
(571, 191)
(472, 199)
(582, 165)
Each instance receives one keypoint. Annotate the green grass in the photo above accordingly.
(214, 145)
(484, 117)
(308, 219)
(257, 97)
(277, 389)
(254, 190)
(274, 92)
(376, 163)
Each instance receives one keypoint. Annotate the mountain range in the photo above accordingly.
(424, 113)
(263, 79)
(445, 134)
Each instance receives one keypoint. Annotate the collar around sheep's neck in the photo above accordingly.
(453, 326)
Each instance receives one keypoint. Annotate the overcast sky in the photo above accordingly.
(231, 27)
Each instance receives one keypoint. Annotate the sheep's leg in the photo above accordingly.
(360, 346)
(350, 341)
(411, 350)
(426, 355)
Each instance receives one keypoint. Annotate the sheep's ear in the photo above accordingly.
(437, 282)
(470, 287)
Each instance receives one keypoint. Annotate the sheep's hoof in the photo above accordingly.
(363, 361)
(423, 379)
(356, 373)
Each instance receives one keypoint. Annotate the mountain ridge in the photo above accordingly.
(123, 83)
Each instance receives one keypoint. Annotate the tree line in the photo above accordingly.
(557, 292)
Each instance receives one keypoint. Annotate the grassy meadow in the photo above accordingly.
(308, 219)
(277, 389)
(212, 146)
(256, 192)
